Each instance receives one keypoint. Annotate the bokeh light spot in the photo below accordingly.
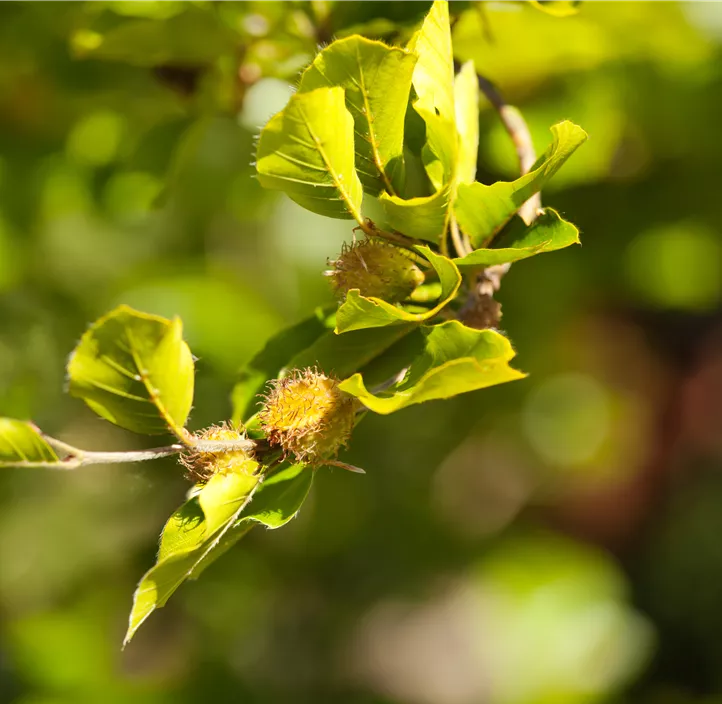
(96, 138)
(567, 419)
(679, 266)
(263, 100)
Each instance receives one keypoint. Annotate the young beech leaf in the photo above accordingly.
(307, 151)
(343, 355)
(434, 73)
(456, 359)
(466, 96)
(136, 371)
(358, 312)
(557, 8)
(483, 210)
(427, 217)
(518, 240)
(424, 217)
(376, 79)
(209, 523)
(311, 343)
(21, 445)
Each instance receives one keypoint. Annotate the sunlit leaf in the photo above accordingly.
(22, 445)
(307, 151)
(136, 371)
(483, 210)
(208, 524)
(376, 79)
(547, 233)
(433, 77)
(440, 154)
(358, 312)
(456, 359)
(427, 217)
(343, 355)
(466, 95)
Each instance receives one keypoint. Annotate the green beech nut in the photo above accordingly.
(308, 416)
(377, 269)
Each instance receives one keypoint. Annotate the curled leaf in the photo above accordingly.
(456, 359)
(136, 371)
(358, 312)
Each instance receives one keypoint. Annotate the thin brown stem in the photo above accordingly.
(73, 457)
(480, 309)
(369, 228)
(460, 240)
(518, 130)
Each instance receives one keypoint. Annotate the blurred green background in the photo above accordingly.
(554, 540)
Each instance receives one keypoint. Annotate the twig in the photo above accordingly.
(369, 228)
(518, 130)
(460, 240)
(74, 457)
(480, 308)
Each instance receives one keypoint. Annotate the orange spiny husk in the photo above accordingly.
(201, 466)
(308, 416)
(377, 269)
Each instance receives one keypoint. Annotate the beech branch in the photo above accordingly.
(480, 309)
(516, 127)
(72, 457)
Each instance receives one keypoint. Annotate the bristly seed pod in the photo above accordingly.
(202, 466)
(377, 269)
(308, 416)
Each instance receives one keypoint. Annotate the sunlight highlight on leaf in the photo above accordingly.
(307, 151)
(136, 371)
(455, 360)
(22, 445)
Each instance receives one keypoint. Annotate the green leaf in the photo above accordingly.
(270, 360)
(307, 151)
(547, 233)
(342, 355)
(427, 217)
(276, 502)
(136, 371)
(22, 445)
(190, 532)
(358, 312)
(433, 82)
(208, 524)
(557, 8)
(440, 154)
(466, 94)
(433, 77)
(424, 218)
(483, 210)
(377, 80)
(456, 359)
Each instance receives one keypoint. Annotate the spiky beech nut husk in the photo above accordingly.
(376, 269)
(202, 466)
(308, 416)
